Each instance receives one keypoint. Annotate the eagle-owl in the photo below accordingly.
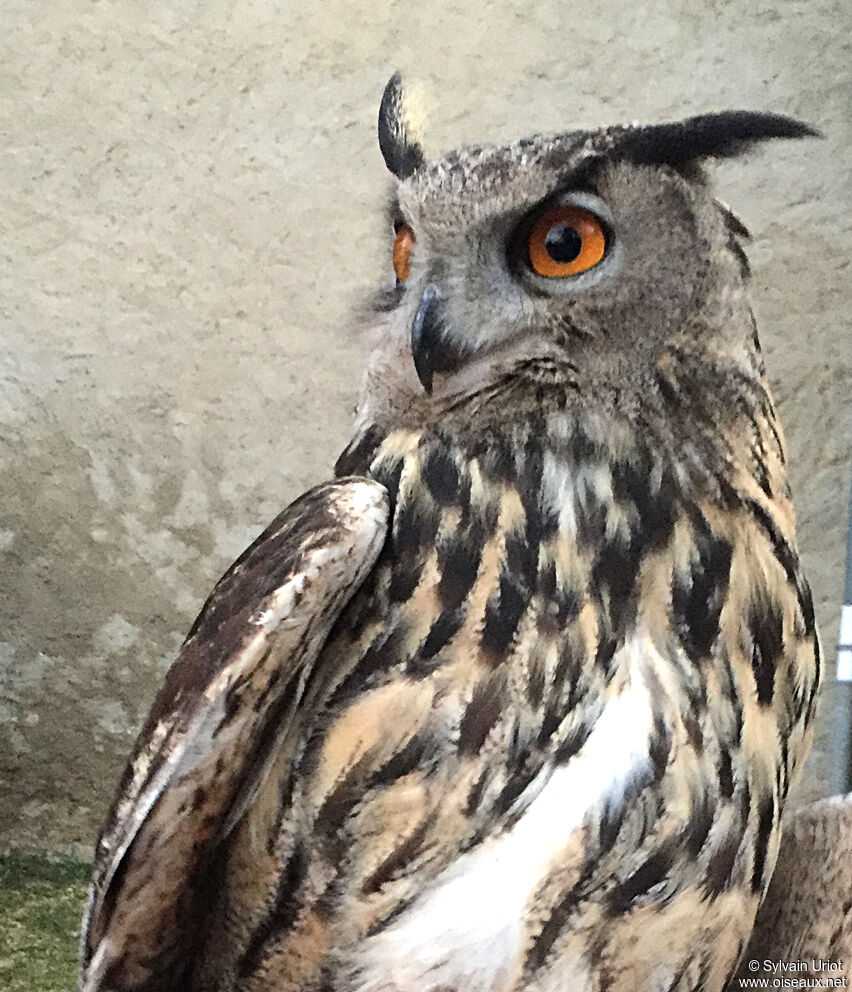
(515, 702)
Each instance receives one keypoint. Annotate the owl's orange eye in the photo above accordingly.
(402, 246)
(565, 241)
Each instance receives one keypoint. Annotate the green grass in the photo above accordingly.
(41, 903)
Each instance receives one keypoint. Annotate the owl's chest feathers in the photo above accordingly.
(507, 612)
(508, 539)
(529, 601)
(550, 667)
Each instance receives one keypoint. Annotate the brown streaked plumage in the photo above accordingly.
(547, 741)
(805, 922)
(217, 723)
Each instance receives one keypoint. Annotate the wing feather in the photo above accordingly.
(215, 727)
(807, 913)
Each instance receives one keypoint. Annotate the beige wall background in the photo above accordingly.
(192, 203)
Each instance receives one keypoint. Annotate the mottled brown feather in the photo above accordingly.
(215, 726)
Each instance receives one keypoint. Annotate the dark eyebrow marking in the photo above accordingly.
(584, 176)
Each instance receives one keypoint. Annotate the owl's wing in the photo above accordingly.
(806, 915)
(216, 726)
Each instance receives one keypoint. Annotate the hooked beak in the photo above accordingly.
(430, 347)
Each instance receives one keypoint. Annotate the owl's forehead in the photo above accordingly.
(480, 179)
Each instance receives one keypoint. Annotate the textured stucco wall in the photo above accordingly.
(191, 203)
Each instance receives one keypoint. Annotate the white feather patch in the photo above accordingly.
(466, 932)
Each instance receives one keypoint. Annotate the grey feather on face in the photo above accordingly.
(672, 275)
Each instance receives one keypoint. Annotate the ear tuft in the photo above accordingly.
(721, 135)
(399, 130)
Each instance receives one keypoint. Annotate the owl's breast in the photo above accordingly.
(472, 926)
(561, 712)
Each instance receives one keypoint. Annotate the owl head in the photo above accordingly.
(578, 263)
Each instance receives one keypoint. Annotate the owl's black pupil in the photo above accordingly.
(563, 243)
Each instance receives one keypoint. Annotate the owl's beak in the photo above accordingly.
(430, 347)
